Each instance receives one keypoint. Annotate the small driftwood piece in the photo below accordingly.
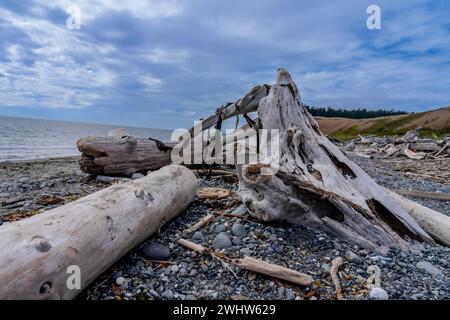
(122, 156)
(213, 193)
(202, 222)
(91, 233)
(273, 270)
(314, 184)
(335, 264)
(255, 265)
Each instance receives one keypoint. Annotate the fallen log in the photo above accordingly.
(114, 155)
(314, 184)
(425, 195)
(433, 222)
(91, 233)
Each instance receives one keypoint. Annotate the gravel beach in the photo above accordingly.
(30, 187)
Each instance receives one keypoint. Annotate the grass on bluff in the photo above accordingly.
(386, 127)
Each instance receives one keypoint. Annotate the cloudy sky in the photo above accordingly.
(167, 63)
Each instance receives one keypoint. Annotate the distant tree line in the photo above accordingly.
(360, 113)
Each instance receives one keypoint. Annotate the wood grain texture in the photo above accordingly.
(314, 184)
(91, 233)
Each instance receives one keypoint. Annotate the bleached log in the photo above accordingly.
(91, 233)
(433, 222)
(115, 155)
(314, 184)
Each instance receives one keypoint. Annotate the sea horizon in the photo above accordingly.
(24, 138)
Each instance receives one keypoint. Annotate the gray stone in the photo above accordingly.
(120, 281)
(378, 294)
(168, 294)
(156, 251)
(197, 235)
(428, 267)
(221, 241)
(337, 246)
(220, 228)
(290, 294)
(246, 251)
(239, 230)
(352, 257)
(136, 176)
(326, 267)
(240, 211)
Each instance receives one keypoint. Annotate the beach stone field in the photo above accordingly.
(160, 268)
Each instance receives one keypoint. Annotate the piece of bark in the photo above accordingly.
(314, 184)
(273, 270)
(125, 155)
(91, 233)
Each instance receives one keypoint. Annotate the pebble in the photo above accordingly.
(239, 230)
(136, 176)
(120, 281)
(352, 257)
(378, 294)
(168, 294)
(240, 211)
(197, 235)
(221, 241)
(220, 228)
(428, 267)
(156, 251)
(326, 267)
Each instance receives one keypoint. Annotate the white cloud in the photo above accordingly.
(167, 56)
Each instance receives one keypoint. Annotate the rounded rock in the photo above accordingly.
(156, 251)
(221, 241)
(378, 294)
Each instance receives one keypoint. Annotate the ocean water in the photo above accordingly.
(26, 139)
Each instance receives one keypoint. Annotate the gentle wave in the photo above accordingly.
(27, 139)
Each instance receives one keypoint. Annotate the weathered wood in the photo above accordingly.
(314, 184)
(433, 222)
(273, 270)
(335, 264)
(202, 222)
(425, 195)
(91, 233)
(114, 155)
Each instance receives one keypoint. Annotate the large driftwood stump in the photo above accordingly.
(315, 184)
(91, 233)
